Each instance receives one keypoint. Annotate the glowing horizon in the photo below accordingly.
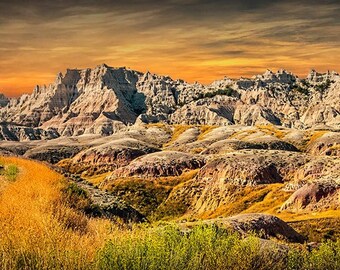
(194, 40)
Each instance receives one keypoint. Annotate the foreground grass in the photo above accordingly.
(40, 230)
(208, 247)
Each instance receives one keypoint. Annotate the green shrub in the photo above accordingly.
(205, 247)
(10, 172)
(76, 197)
(327, 256)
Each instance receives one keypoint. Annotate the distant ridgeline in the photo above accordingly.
(104, 100)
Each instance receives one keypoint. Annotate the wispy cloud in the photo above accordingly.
(193, 39)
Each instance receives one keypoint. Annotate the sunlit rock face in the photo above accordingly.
(104, 100)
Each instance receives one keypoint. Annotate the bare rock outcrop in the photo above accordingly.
(165, 163)
(230, 145)
(3, 100)
(22, 133)
(327, 144)
(222, 178)
(105, 100)
(315, 196)
(252, 167)
(267, 226)
(108, 156)
(52, 154)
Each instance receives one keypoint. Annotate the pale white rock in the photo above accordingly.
(106, 99)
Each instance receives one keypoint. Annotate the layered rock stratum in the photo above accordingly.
(105, 100)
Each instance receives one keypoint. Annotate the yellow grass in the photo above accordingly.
(316, 135)
(290, 217)
(272, 130)
(97, 179)
(34, 220)
(38, 230)
(265, 199)
(243, 134)
(335, 147)
(204, 131)
(260, 199)
(310, 137)
(178, 130)
(272, 202)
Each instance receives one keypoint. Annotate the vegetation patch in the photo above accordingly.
(316, 135)
(76, 197)
(318, 229)
(208, 247)
(41, 228)
(178, 130)
(260, 199)
(143, 195)
(272, 130)
(10, 171)
(323, 86)
(146, 195)
(301, 89)
(205, 129)
(220, 92)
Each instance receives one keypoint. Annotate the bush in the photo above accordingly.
(75, 197)
(205, 247)
(10, 172)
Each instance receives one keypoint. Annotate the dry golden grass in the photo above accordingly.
(34, 220)
(97, 179)
(178, 130)
(205, 129)
(318, 229)
(147, 194)
(243, 134)
(40, 231)
(303, 215)
(310, 137)
(265, 199)
(316, 135)
(272, 202)
(259, 199)
(3, 183)
(335, 147)
(272, 130)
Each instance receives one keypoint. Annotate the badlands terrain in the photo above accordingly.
(249, 155)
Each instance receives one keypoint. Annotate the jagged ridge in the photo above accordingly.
(104, 100)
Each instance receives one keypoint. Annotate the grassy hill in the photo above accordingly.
(40, 230)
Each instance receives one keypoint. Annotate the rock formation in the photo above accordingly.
(104, 100)
(165, 163)
(314, 197)
(3, 100)
(265, 226)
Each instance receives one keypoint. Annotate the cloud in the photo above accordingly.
(193, 39)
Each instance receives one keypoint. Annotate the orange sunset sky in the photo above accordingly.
(192, 39)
